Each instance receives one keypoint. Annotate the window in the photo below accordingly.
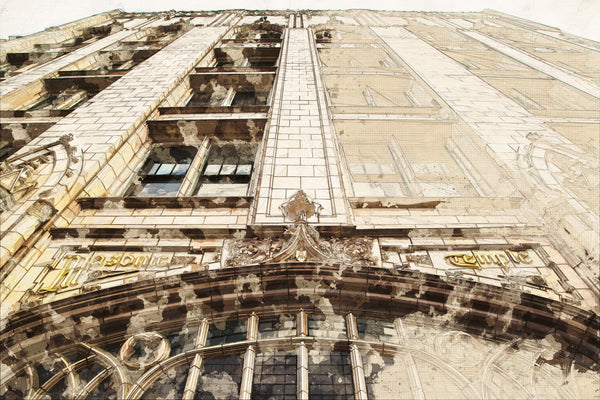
(163, 172)
(250, 99)
(226, 97)
(227, 169)
(275, 376)
(226, 332)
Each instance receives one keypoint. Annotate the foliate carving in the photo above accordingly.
(521, 279)
(243, 252)
(419, 259)
(355, 251)
(458, 275)
(300, 246)
(301, 243)
(300, 208)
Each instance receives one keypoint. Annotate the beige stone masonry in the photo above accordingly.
(300, 151)
(584, 84)
(513, 137)
(47, 69)
(57, 34)
(104, 123)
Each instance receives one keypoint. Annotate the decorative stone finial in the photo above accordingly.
(300, 208)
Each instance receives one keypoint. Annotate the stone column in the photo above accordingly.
(302, 372)
(358, 370)
(194, 374)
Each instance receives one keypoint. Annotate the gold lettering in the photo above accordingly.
(64, 271)
(470, 259)
(485, 258)
(166, 261)
(525, 257)
(462, 260)
(114, 260)
(513, 256)
(75, 280)
(100, 259)
(141, 261)
(503, 259)
(129, 261)
(65, 282)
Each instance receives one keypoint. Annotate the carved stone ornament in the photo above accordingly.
(18, 173)
(301, 243)
(16, 178)
(300, 208)
(156, 349)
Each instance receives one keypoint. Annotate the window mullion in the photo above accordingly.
(249, 358)
(302, 357)
(228, 97)
(302, 372)
(187, 185)
(301, 324)
(194, 373)
(358, 371)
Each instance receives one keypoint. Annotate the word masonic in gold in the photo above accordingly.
(102, 265)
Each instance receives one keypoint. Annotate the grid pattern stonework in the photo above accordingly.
(300, 151)
(506, 128)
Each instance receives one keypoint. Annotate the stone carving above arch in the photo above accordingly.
(301, 242)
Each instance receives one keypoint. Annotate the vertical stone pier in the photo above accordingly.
(300, 151)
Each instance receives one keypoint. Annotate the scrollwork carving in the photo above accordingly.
(302, 242)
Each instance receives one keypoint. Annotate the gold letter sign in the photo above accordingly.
(480, 258)
(106, 264)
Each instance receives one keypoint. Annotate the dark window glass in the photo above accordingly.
(227, 169)
(369, 329)
(274, 326)
(226, 332)
(265, 63)
(249, 99)
(220, 378)
(224, 63)
(330, 375)
(184, 340)
(169, 385)
(274, 376)
(212, 99)
(163, 172)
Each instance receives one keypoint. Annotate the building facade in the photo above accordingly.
(299, 204)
